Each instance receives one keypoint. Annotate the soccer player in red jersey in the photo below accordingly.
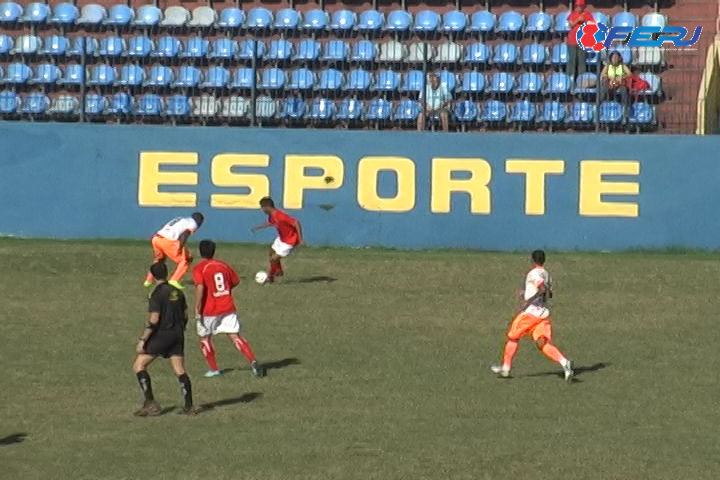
(215, 309)
(290, 235)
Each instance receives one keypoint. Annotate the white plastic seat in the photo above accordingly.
(392, 52)
(449, 53)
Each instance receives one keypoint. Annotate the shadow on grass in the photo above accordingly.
(167, 410)
(13, 439)
(578, 371)
(244, 398)
(317, 279)
(277, 365)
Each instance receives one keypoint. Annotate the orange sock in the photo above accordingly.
(180, 271)
(511, 347)
(553, 353)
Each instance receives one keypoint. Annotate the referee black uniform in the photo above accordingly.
(168, 338)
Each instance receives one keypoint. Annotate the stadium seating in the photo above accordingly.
(64, 105)
(322, 109)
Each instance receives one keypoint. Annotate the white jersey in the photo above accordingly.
(537, 277)
(176, 227)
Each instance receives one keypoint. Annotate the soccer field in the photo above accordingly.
(378, 369)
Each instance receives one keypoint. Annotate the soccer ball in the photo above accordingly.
(261, 277)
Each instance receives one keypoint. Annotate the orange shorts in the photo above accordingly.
(164, 248)
(527, 324)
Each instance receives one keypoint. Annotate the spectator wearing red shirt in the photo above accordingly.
(577, 57)
(290, 235)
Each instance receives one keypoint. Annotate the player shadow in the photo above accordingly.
(578, 371)
(244, 398)
(277, 365)
(316, 279)
(167, 410)
(13, 439)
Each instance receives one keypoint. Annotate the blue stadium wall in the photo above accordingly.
(408, 190)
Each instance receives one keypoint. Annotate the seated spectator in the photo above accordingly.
(437, 103)
(613, 80)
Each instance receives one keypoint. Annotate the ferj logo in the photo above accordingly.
(596, 36)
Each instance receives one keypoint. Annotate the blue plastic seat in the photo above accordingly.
(482, 22)
(539, 22)
(10, 12)
(558, 84)
(6, 44)
(140, 47)
(17, 74)
(407, 111)
(224, 48)
(307, 51)
(301, 79)
(92, 14)
(559, 55)
(350, 109)
(387, 81)
(494, 111)
(131, 76)
(65, 105)
(9, 102)
(35, 104)
(529, 83)
(148, 16)
(331, 79)
(642, 114)
(55, 46)
(600, 17)
(534, 54)
(654, 19)
(287, 19)
(611, 113)
(259, 19)
(553, 112)
(293, 108)
(477, 53)
(188, 77)
(336, 51)
(506, 54)
(523, 112)
(149, 105)
(466, 111)
(250, 48)
(36, 13)
(167, 47)
(624, 52)
(398, 21)
(562, 26)
(472, 82)
(243, 78)
(272, 79)
(501, 82)
(46, 74)
(195, 47)
(583, 80)
(427, 21)
(655, 84)
(363, 51)
(216, 77)
(231, 17)
(624, 19)
(121, 104)
(448, 79)
(111, 47)
(414, 81)
(74, 74)
(358, 80)
(178, 106)
(379, 110)
(582, 113)
(315, 20)
(511, 22)
(102, 75)
(83, 45)
(65, 14)
(27, 44)
(160, 76)
(279, 50)
(322, 109)
(371, 21)
(120, 15)
(343, 21)
(95, 104)
(454, 21)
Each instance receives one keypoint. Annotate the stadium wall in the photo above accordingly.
(350, 188)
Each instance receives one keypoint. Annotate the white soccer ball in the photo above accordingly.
(261, 277)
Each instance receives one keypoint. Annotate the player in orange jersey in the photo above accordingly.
(290, 235)
(534, 320)
(169, 242)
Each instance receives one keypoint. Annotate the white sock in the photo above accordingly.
(564, 362)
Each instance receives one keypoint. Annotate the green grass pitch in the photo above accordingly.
(380, 374)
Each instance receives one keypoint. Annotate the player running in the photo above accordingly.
(215, 309)
(290, 235)
(169, 242)
(164, 336)
(534, 320)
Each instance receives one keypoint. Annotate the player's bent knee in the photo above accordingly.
(541, 342)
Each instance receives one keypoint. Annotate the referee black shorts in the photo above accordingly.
(166, 344)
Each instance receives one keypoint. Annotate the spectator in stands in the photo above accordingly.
(577, 57)
(613, 80)
(437, 101)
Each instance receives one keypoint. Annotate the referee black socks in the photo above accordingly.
(186, 389)
(143, 379)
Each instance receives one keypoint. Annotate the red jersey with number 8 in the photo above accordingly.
(219, 279)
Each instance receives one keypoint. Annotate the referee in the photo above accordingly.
(164, 336)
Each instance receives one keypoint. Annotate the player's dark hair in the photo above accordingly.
(159, 271)
(207, 249)
(267, 202)
(198, 217)
(538, 256)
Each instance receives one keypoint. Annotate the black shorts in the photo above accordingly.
(166, 344)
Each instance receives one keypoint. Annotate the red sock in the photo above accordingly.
(244, 347)
(510, 348)
(276, 268)
(208, 351)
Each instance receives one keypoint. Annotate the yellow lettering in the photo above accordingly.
(223, 176)
(150, 178)
(296, 182)
(368, 170)
(592, 188)
(443, 185)
(535, 171)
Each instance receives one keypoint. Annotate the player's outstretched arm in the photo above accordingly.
(301, 236)
(260, 227)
